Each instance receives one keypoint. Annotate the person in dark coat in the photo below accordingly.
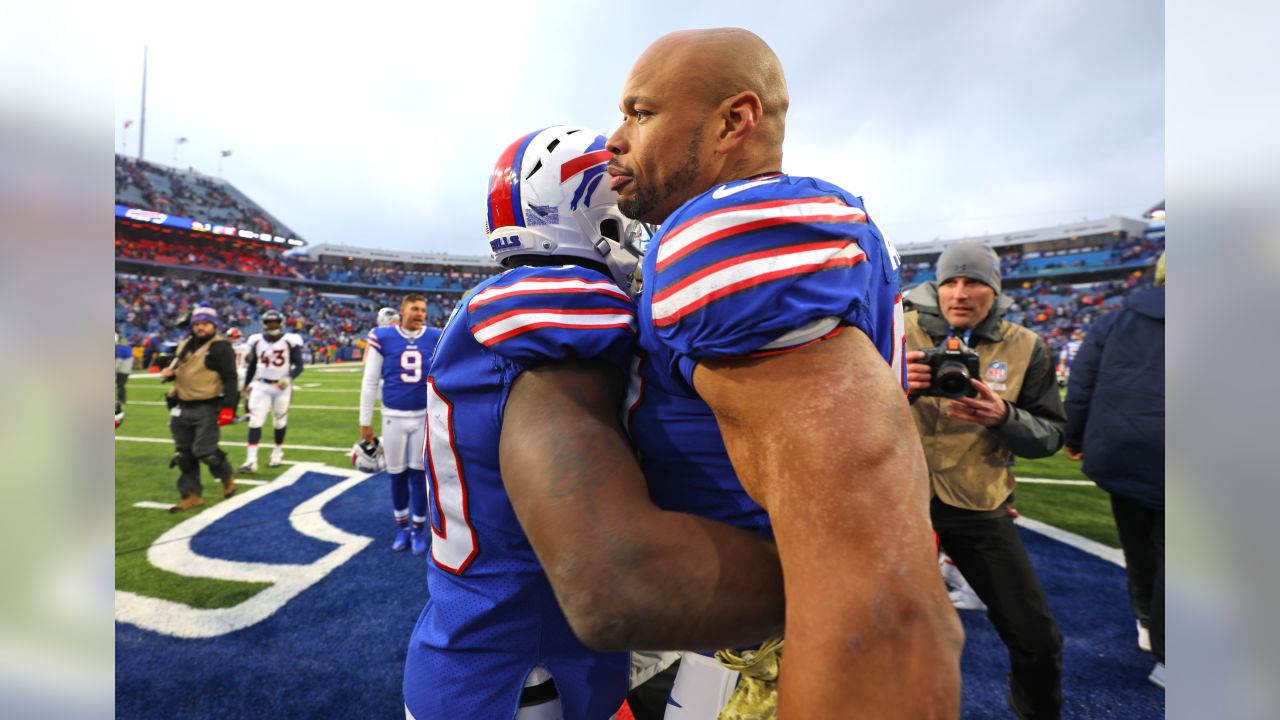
(1115, 424)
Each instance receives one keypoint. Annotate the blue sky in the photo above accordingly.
(378, 126)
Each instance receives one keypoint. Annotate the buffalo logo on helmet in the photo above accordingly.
(547, 198)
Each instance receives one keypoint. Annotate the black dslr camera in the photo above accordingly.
(951, 365)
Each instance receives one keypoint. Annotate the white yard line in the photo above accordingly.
(153, 505)
(1092, 547)
(1049, 481)
(242, 481)
(169, 441)
(351, 408)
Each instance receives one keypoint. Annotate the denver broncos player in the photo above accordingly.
(400, 356)
(769, 390)
(275, 360)
(552, 337)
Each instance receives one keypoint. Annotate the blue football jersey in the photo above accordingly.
(492, 616)
(750, 268)
(406, 362)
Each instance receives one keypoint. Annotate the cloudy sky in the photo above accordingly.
(377, 124)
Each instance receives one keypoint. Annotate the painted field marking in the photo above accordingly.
(1093, 547)
(351, 408)
(152, 505)
(169, 441)
(172, 552)
(1051, 481)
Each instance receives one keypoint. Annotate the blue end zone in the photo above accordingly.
(1104, 673)
(338, 649)
(335, 651)
(260, 532)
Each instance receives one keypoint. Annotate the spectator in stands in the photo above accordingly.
(1115, 424)
(969, 444)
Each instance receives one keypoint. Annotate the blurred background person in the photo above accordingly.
(1115, 424)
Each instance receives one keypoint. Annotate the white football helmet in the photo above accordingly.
(388, 316)
(549, 195)
(369, 457)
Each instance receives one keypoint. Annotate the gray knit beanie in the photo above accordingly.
(971, 260)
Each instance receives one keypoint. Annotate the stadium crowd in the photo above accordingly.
(147, 309)
(1015, 263)
(264, 261)
(188, 194)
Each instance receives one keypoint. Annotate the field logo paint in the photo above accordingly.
(172, 552)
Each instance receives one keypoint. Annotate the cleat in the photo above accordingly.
(402, 540)
(277, 459)
(419, 539)
(1157, 675)
(187, 503)
(1144, 638)
(249, 467)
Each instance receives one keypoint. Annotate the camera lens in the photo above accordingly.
(952, 379)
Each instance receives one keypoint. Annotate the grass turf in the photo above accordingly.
(324, 414)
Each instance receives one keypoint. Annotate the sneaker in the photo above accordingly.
(277, 458)
(187, 503)
(966, 599)
(1157, 675)
(1144, 638)
(402, 540)
(228, 487)
(250, 467)
(419, 539)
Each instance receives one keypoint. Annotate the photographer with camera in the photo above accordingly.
(982, 391)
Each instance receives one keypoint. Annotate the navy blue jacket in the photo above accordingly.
(1115, 400)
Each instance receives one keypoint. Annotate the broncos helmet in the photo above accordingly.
(369, 457)
(388, 316)
(233, 333)
(548, 196)
(273, 316)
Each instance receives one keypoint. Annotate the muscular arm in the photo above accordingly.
(627, 574)
(822, 437)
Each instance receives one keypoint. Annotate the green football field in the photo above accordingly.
(323, 424)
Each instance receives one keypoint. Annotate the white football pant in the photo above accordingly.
(264, 398)
(402, 441)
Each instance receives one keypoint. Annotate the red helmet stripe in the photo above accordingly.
(578, 164)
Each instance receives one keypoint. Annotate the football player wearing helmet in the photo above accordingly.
(274, 361)
(551, 337)
(769, 388)
(399, 356)
(242, 352)
(388, 316)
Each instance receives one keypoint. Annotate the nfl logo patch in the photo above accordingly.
(997, 371)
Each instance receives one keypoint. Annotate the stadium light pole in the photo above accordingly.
(142, 122)
(176, 142)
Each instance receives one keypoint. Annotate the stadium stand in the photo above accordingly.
(329, 293)
(1061, 278)
(1064, 277)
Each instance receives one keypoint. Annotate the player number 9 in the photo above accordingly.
(411, 361)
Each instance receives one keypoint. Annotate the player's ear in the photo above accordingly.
(740, 113)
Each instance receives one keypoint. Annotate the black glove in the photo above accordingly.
(171, 401)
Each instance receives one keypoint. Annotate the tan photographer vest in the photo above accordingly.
(192, 380)
(969, 465)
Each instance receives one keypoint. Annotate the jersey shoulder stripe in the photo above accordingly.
(540, 286)
(733, 275)
(723, 222)
(537, 314)
(517, 322)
